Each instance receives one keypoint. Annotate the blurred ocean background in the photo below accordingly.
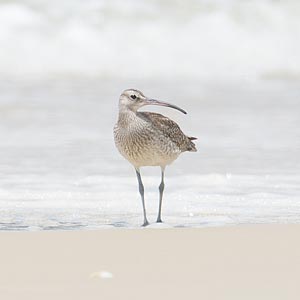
(158, 39)
(233, 65)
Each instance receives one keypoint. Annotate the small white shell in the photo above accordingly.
(102, 275)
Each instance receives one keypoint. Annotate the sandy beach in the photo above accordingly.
(242, 262)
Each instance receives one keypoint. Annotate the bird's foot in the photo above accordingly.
(159, 220)
(146, 223)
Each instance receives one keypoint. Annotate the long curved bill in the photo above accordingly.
(161, 103)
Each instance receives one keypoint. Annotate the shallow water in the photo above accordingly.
(233, 65)
(60, 169)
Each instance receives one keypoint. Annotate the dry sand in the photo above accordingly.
(244, 262)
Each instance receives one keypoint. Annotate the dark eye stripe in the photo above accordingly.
(133, 96)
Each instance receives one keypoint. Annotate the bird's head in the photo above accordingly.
(134, 99)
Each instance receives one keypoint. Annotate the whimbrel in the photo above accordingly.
(148, 139)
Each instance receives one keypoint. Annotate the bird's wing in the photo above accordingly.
(169, 129)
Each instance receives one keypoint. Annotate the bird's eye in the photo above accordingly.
(133, 96)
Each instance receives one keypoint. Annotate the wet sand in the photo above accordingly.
(242, 262)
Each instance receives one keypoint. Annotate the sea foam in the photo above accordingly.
(151, 39)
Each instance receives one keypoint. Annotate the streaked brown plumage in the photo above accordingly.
(170, 130)
(148, 139)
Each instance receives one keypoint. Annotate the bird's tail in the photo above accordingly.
(192, 146)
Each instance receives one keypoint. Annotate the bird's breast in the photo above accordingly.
(142, 145)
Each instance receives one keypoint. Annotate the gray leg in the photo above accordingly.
(141, 189)
(161, 191)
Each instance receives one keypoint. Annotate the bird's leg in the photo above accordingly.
(141, 189)
(161, 191)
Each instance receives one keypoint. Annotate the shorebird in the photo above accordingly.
(148, 139)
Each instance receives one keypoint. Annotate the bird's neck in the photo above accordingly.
(126, 117)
